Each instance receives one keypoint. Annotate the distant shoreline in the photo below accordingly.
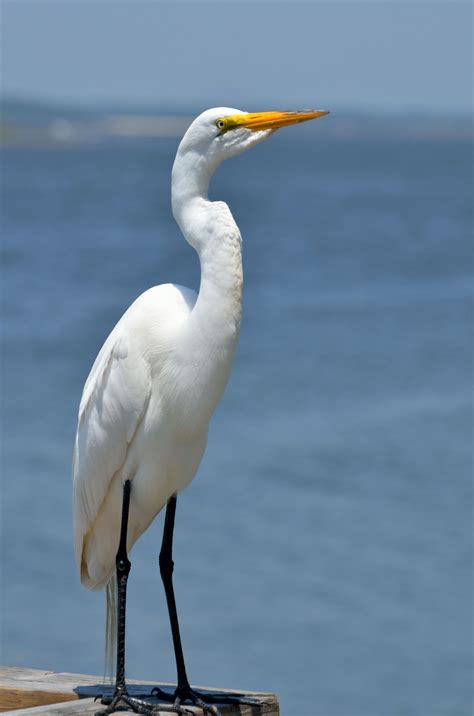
(25, 122)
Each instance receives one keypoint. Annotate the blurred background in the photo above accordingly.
(330, 559)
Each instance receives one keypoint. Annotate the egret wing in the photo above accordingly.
(113, 403)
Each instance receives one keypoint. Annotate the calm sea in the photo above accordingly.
(324, 550)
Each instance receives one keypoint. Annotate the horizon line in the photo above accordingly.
(145, 105)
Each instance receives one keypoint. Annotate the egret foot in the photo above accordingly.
(121, 700)
(207, 702)
(184, 694)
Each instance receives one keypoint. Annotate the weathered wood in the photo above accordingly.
(33, 691)
(14, 698)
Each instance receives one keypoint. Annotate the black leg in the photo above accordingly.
(166, 570)
(121, 697)
(183, 691)
(123, 565)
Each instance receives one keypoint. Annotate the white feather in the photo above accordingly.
(119, 428)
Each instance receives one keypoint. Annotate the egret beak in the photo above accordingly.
(257, 121)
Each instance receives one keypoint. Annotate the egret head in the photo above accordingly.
(223, 132)
(219, 134)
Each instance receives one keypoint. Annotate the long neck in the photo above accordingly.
(210, 228)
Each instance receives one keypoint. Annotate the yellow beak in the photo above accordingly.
(257, 121)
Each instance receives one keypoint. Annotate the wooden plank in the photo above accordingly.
(84, 706)
(34, 691)
(89, 706)
(21, 673)
(23, 698)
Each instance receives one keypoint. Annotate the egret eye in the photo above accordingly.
(220, 124)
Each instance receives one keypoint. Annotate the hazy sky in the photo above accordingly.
(338, 53)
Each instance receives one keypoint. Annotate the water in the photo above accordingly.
(324, 552)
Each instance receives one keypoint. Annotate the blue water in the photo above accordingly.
(324, 550)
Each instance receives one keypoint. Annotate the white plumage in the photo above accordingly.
(128, 431)
(147, 402)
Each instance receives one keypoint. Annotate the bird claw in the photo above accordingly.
(182, 695)
(160, 694)
(189, 695)
(124, 700)
(207, 702)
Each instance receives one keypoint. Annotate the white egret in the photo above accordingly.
(146, 405)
